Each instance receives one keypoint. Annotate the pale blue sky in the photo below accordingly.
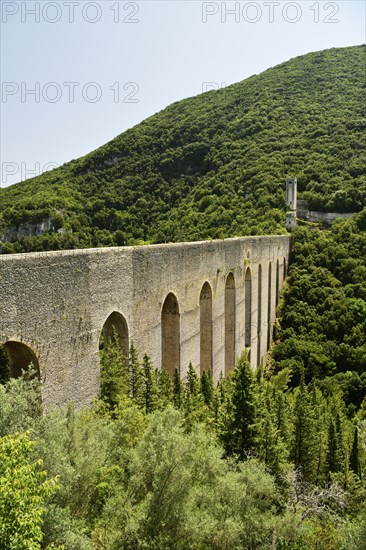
(165, 55)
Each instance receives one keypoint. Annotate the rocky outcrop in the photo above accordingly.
(28, 229)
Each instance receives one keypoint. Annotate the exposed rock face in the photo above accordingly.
(324, 217)
(303, 213)
(13, 233)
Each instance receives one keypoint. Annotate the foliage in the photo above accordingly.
(151, 472)
(175, 474)
(4, 366)
(240, 432)
(23, 491)
(210, 166)
(20, 403)
(322, 318)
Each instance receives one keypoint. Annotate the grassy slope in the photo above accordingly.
(213, 165)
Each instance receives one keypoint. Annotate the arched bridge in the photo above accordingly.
(199, 302)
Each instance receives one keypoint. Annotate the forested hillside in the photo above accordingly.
(272, 459)
(211, 166)
(321, 326)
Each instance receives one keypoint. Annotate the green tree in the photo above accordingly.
(192, 385)
(270, 445)
(194, 408)
(306, 446)
(181, 494)
(4, 366)
(207, 388)
(165, 388)
(150, 395)
(20, 403)
(113, 372)
(23, 492)
(135, 374)
(240, 430)
(178, 391)
(354, 461)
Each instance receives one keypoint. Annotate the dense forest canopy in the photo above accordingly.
(211, 166)
(321, 326)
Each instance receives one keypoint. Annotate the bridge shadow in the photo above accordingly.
(16, 358)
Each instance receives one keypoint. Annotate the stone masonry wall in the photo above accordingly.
(56, 303)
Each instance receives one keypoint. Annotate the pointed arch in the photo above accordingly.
(17, 357)
(248, 308)
(259, 325)
(206, 328)
(115, 324)
(170, 334)
(269, 312)
(230, 319)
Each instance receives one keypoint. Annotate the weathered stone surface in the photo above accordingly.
(323, 217)
(28, 229)
(56, 303)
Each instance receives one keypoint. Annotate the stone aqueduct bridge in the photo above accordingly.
(197, 302)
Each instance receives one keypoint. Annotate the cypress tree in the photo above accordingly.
(336, 454)
(332, 453)
(113, 372)
(342, 454)
(135, 374)
(193, 405)
(270, 446)
(192, 386)
(207, 388)
(177, 389)
(304, 452)
(165, 389)
(300, 413)
(219, 406)
(149, 386)
(240, 436)
(354, 460)
(283, 416)
(318, 434)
